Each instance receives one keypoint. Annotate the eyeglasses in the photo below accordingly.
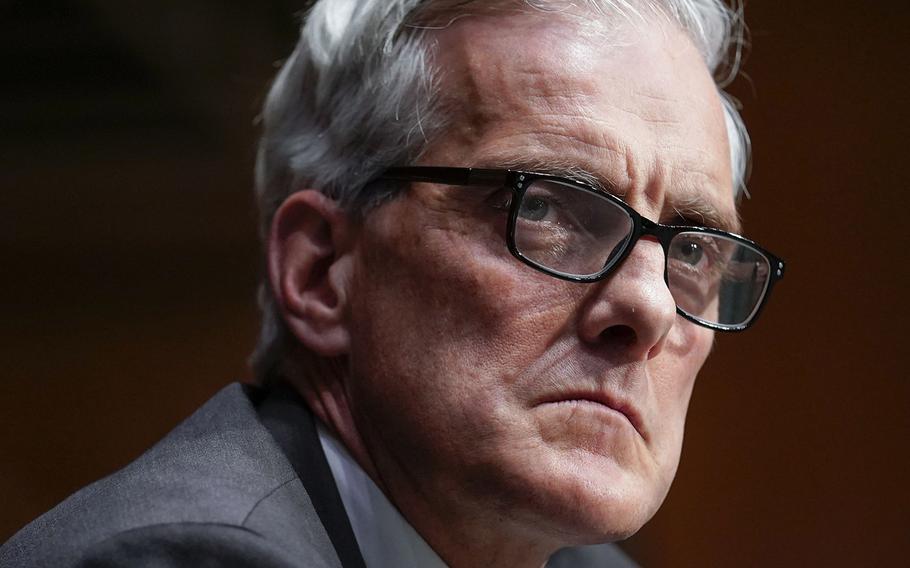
(572, 231)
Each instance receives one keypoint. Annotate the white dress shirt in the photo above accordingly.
(385, 538)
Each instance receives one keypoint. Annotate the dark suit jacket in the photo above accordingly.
(242, 482)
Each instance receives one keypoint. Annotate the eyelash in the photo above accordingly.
(500, 199)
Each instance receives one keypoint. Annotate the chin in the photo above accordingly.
(610, 520)
(596, 500)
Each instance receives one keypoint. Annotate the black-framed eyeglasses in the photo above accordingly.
(575, 232)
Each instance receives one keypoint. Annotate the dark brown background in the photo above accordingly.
(129, 266)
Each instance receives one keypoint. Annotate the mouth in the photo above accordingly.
(603, 400)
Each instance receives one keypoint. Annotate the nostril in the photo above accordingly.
(622, 335)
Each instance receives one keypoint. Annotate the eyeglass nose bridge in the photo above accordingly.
(641, 227)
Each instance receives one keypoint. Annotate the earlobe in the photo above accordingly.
(309, 270)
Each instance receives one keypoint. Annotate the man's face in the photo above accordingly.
(483, 387)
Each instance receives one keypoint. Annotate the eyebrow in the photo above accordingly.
(559, 169)
(691, 208)
(695, 207)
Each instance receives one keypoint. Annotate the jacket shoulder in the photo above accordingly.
(213, 470)
(191, 545)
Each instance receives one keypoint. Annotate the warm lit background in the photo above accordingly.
(129, 263)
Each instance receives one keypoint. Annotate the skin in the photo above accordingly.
(507, 413)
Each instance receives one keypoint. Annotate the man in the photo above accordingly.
(479, 344)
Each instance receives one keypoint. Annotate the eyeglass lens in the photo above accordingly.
(575, 232)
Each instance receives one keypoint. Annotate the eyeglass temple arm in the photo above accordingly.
(448, 176)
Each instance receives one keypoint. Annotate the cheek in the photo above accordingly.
(673, 376)
(687, 348)
(442, 324)
(446, 299)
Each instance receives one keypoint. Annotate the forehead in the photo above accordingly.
(632, 105)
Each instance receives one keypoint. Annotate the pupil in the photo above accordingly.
(692, 253)
(534, 209)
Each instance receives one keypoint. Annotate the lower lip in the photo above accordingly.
(590, 425)
(588, 406)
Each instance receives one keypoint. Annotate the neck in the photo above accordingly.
(467, 534)
(465, 527)
(319, 381)
(462, 533)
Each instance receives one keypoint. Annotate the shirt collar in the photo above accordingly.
(384, 536)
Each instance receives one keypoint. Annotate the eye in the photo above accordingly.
(534, 208)
(698, 253)
(500, 199)
(690, 252)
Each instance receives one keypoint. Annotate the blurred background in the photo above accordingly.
(128, 241)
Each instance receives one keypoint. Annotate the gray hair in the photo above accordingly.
(359, 93)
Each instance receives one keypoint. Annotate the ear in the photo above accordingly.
(310, 269)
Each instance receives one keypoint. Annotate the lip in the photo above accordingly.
(608, 400)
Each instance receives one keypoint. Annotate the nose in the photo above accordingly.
(632, 311)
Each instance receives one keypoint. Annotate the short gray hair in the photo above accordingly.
(359, 93)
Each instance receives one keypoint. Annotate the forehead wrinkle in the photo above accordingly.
(530, 87)
(661, 113)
